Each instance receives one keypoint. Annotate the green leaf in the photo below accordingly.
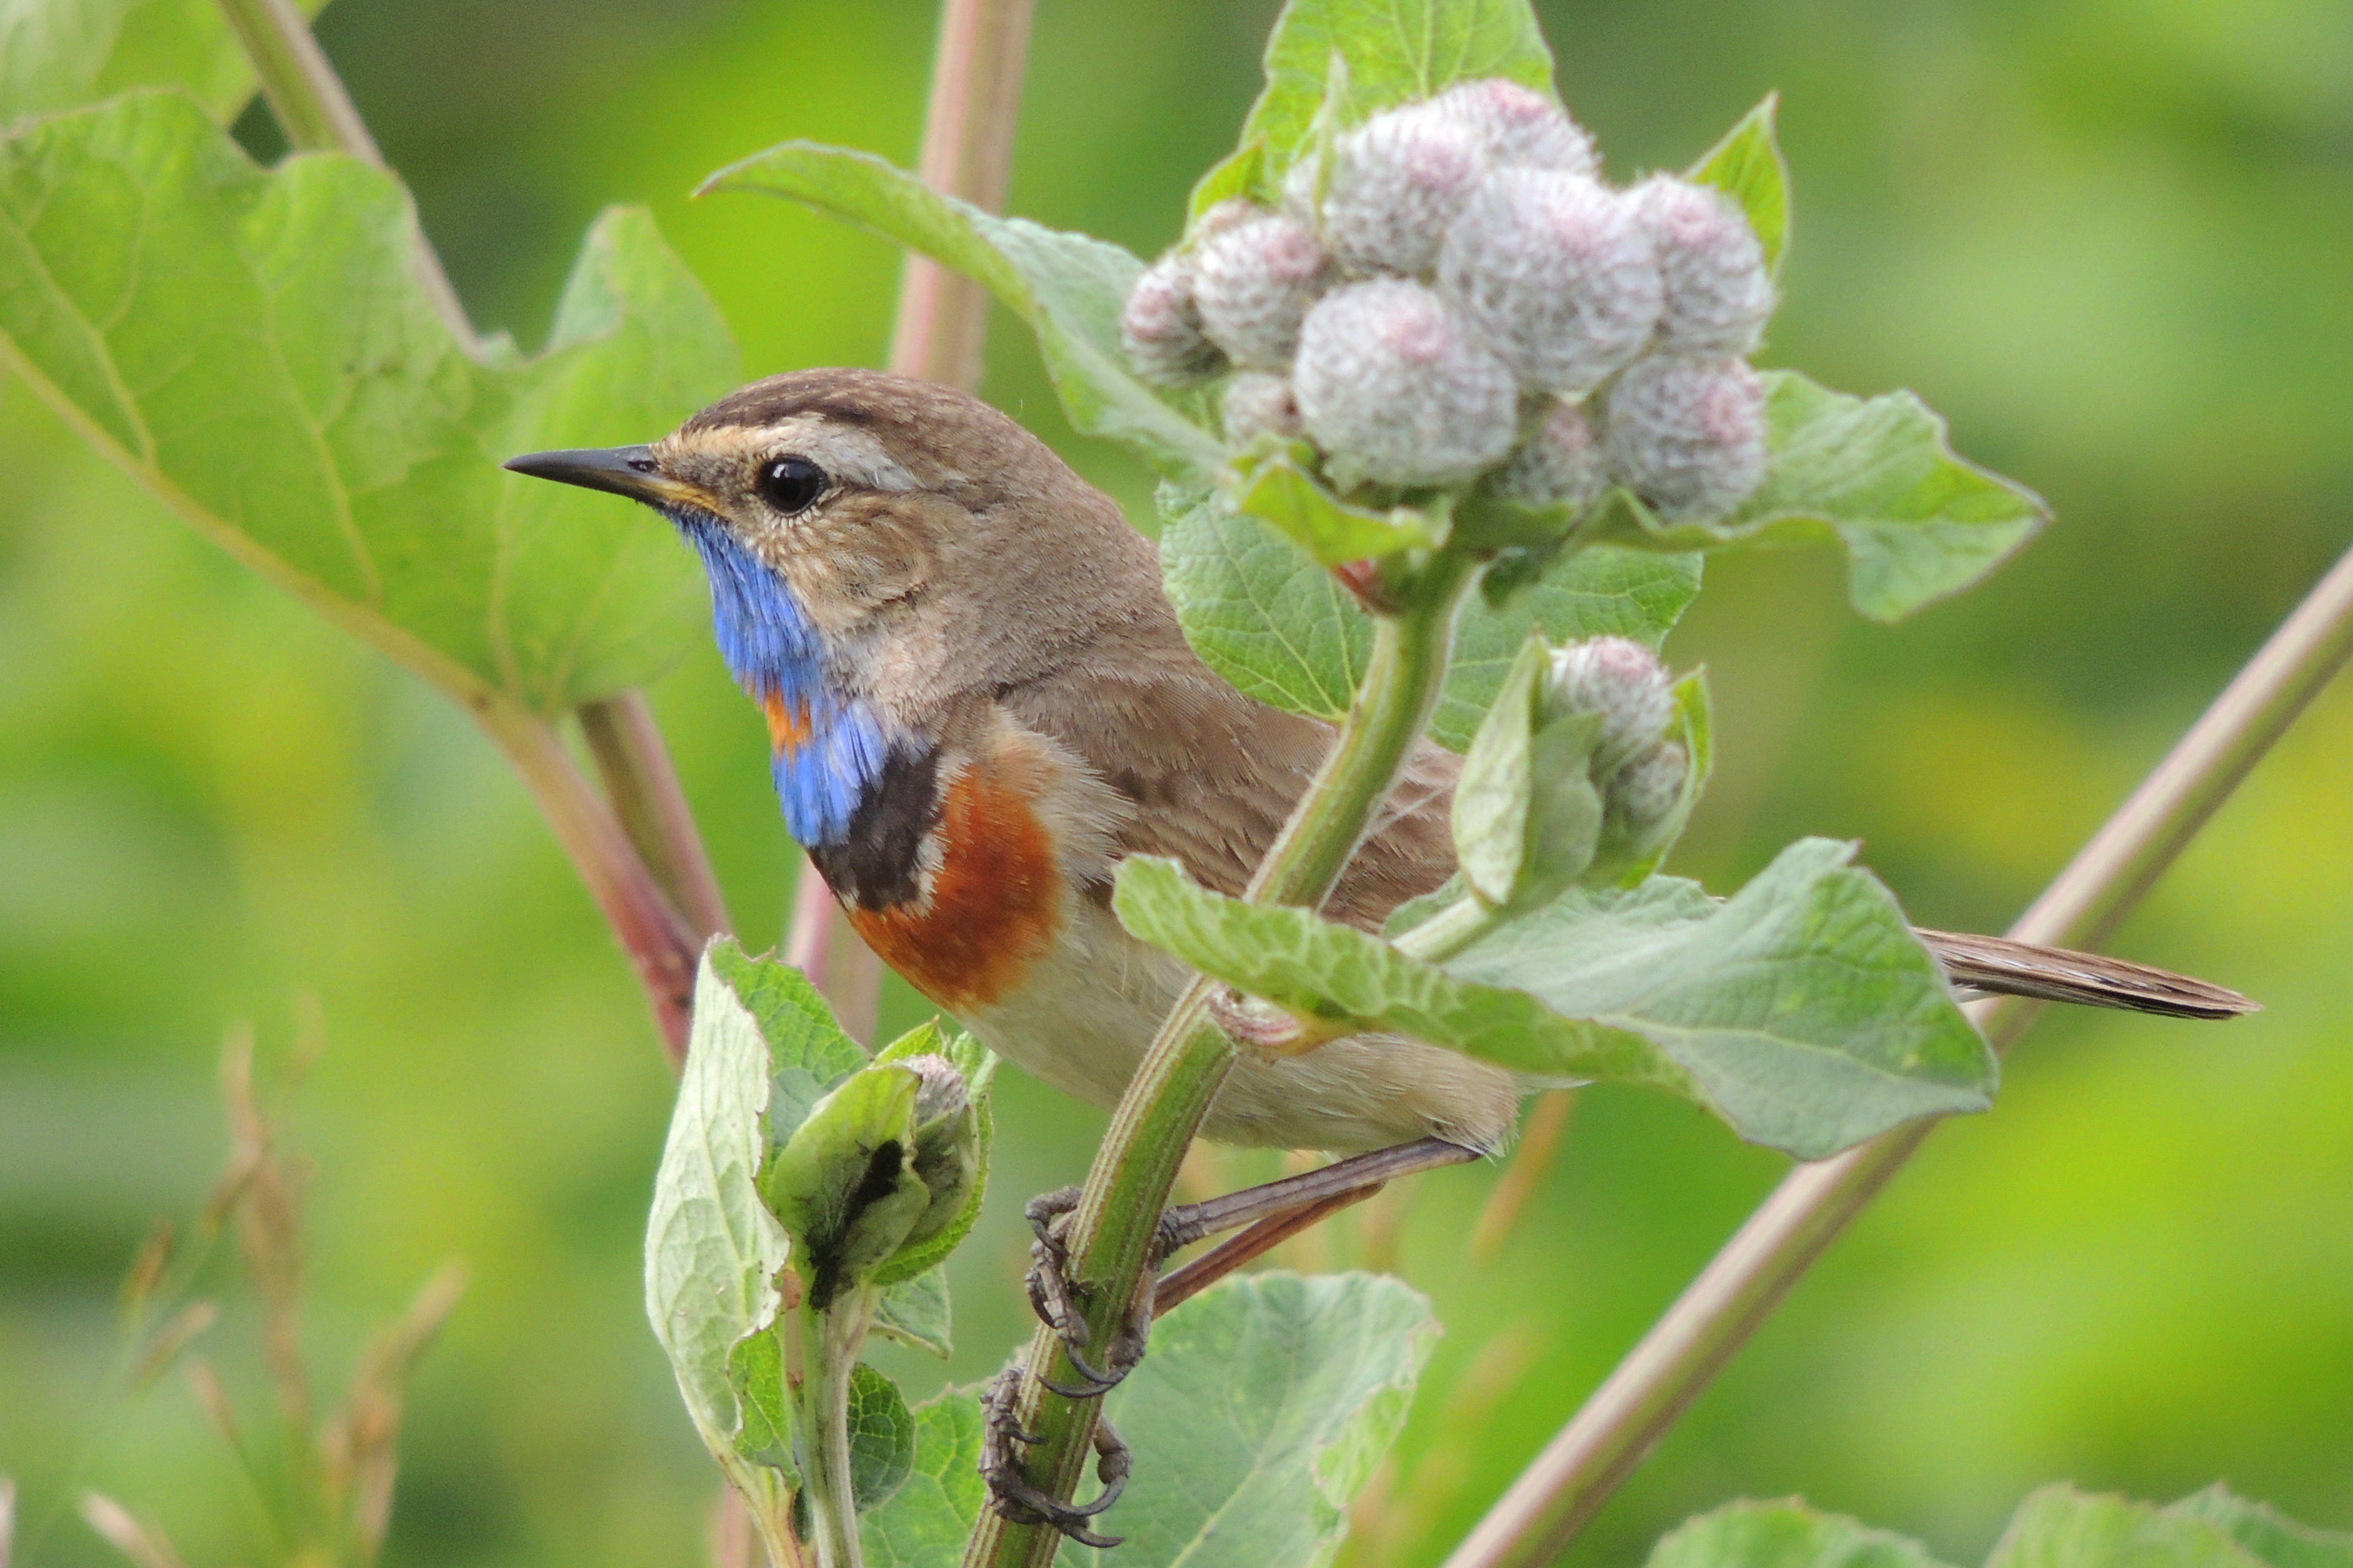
(924, 1523)
(1784, 1534)
(1069, 288)
(811, 1055)
(1526, 815)
(1263, 615)
(881, 1437)
(253, 348)
(1265, 1407)
(1747, 166)
(2058, 1527)
(843, 1187)
(1878, 474)
(1278, 489)
(1802, 1010)
(755, 1371)
(978, 1066)
(915, 1312)
(2258, 1528)
(56, 55)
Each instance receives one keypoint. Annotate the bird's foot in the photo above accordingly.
(1010, 1493)
(1050, 1296)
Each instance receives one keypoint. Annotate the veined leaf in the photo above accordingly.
(2058, 1527)
(1280, 489)
(2261, 1529)
(252, 347)
(1261, 613)
(1069, 288)
(882, 1438)
(1785, 1534)
(1802, 1010)
(1747, 166)
(924, 1522)
(1878, 474)
(56, 55)
(915, 1313)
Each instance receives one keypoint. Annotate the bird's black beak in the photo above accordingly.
(624, 470)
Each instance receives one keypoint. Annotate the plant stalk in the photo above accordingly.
(1111, 1235)
(627, 746)
(831, 1340)
(1602, 1444)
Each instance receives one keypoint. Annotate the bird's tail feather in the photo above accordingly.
(2003, 968)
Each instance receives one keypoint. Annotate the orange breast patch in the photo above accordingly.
(996, 899)
(788, 728)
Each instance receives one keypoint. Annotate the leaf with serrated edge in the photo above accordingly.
(1802, 1010)
(1918, 522)
(764, 1434)
(2263, 1531)
(1281, 630)
(1747, 166)
(924, 1523)
(2058, 1527)
(56, 55)
(1069, 288)
(810, 1053)
(1784, 1534)
(915, 1312)
(881, 1437)
(253, 348)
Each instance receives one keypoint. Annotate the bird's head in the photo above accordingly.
(877, 548)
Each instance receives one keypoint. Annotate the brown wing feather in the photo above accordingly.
(2055, 974)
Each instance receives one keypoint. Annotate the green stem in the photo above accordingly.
(1601, 1445)
(831, 1340)
(1112, 1234)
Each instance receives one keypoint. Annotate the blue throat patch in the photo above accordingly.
(777, 656)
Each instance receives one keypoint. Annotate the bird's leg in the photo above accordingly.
(1013, 1497)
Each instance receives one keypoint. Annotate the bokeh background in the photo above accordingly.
(2109, 240)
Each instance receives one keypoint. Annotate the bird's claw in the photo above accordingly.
(1011, 1492)
(1050, 1297)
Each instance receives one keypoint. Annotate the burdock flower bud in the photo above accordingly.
(1518, 127)
(1395, 389)
(1161, 326)
(1397, 180)
(1687, 436)
(1561, 463)
(1625, 683)
(1646, 791)
(945, 1150)
(1718, 292)
(1254, 284)
(1554, 271)
(1258, 402)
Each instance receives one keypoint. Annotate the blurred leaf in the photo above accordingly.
(1526, 814)
(1747, 166)
(1802, 1010)
(1069, 288)
(924, 1522)
(1629, 862)
(1277, 489)
(1918, 522)
(881, 1437)
(755, 1372)
(66, 54)
(915, 1312)
(2263, 1530)
(1785, 1534)
(252, 347)
(2058, 1527)
(1265, 617)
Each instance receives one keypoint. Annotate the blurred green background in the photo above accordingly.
(2109, 240)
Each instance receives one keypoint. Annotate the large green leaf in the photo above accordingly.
(66, 54)
(1069, 288)
(2263, 1530)
(915, 1312)
(924, 1522)
(1784, 1534)
(1263, 614)
(882, 1438)
(2058, 1527)
(253, 348)
(1876, 474)
(1802, 1010)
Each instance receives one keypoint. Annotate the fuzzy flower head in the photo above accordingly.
(1253, 282)
(1257, 403)
(1688, 436)
(1625, 683)
(1395, 389)
(1397, 181)
(1646, 791)
(1718, 294)
(1555, 272)
(1161, 326)
(1561, 463)
(1518, 127)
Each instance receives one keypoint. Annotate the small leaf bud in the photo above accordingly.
(1687, 436)
(1397, 180)
(1161, 326)
(1395, 389)
(1718, 291)
(1253, 283)
(1561, 463)
(1258, 402)
(1518, 127)
(1625, 683)
(1553, 269)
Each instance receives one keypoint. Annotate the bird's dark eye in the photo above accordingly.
(790, 485)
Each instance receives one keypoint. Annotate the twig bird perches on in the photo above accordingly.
(979, 701)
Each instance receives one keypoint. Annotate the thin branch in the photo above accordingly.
(635, 766)
(1601, 1445)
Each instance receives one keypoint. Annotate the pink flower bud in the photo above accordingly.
(1687, 436)
(1231, 213)
(1395, 389)
(1518, 127)
(1646, 791)
(1255, 283)
(1625, 683)
(1718, 292)
(1161, 326)
(1554, 271)
(1397, 181)
(1257, 402)
(1561, 462)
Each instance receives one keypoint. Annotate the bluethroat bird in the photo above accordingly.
(978, 701)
